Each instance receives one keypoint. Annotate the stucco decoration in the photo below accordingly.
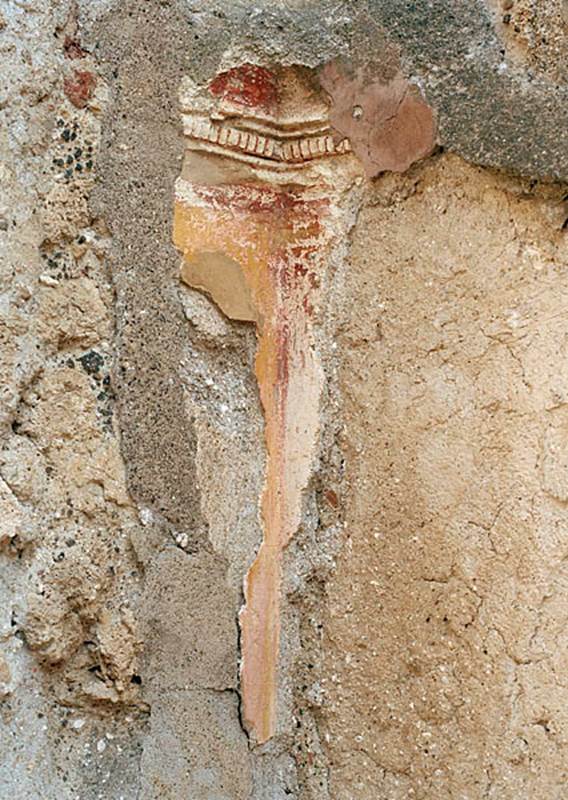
(257, 216)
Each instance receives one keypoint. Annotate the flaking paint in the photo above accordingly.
(277, 239)
(274, 233)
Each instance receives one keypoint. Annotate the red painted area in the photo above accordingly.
(291, 217)
(259, 200)
(80, 87)
(305, 252)
(283, 367)
(307, 306)
(249, 85)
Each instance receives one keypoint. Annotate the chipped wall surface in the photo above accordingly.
(444, 640)
(282, 429)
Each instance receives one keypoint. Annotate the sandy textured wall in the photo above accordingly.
(445, 638)
(422, 616)
(71, 711)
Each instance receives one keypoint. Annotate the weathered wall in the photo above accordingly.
(422, 622)
(445, 634)
(72, 711)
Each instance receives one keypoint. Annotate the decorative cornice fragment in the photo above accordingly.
(281, 148)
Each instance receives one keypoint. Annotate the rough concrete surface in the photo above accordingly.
(422, 651)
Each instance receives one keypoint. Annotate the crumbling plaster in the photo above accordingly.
(444, 636)
(133, 456)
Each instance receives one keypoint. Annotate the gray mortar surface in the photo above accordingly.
(143, 59)
(196, 745)
(490, 111)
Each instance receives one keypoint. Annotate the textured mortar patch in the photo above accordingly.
(190, 674)
(11, 514)
(72, 314)
(184, 646)
(555, 456)
(157, 437)
(388, 125)
(444, 631)
(194, 750)
(534, 34)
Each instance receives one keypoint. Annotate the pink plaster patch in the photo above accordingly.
(389, 125)
(80, 87)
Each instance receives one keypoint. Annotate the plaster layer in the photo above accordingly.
(445, 632)
(260, 245)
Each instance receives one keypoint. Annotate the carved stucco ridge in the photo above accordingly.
(282, 147)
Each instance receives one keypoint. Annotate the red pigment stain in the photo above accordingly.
(331, 498)
(307, 306)
(305, 252)
(249, 85)
(283, 369)
(258, 200)
(290, 211)
(73, 49)
(79, 87)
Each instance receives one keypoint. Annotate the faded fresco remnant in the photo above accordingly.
(256, 218)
